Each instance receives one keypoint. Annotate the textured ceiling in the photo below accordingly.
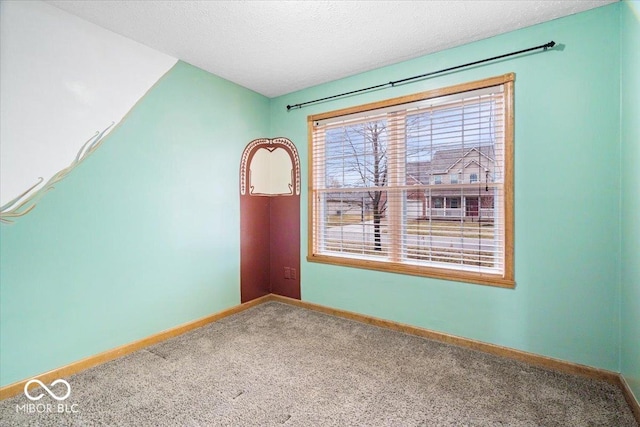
(277, 47)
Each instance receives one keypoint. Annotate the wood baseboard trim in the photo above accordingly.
(633, 402)
(506, 352)
(510, 353)
(16, 388)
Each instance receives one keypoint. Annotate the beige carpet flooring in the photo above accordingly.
(275, 365)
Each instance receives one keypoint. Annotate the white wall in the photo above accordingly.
(61, 80)
(271, 172)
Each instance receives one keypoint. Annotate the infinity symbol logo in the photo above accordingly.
(52, 394)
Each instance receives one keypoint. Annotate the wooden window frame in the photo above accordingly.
(504, 280)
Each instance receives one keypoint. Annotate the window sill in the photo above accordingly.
(432, 272)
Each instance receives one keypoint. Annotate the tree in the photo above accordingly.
(357, 156)
(368, 144)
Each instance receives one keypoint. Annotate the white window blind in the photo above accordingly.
(383, 190)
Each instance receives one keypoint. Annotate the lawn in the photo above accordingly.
(424, 228)
(482, 230)
(346, 219)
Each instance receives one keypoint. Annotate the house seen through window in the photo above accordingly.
(418, 185)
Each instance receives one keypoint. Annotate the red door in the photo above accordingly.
(472, 206)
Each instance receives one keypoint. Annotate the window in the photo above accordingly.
(454, 202)
(437, 179)
(379, 158)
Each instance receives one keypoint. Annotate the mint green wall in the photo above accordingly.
(567, 231)
(141, 237)
(630, 123)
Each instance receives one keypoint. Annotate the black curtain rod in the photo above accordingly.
(444, 70)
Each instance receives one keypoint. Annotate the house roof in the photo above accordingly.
(448, 161)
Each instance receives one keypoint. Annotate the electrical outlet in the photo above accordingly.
(293, 273)
(287, 273)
